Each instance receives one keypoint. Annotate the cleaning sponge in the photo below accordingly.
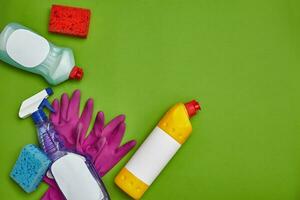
(30, 168)
(69, 20)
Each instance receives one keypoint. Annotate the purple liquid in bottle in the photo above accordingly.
(49, 140)
(74, 173)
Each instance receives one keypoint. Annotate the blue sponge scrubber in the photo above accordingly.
(30, 168)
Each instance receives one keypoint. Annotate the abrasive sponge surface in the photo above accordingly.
(69, 20)
(30, 168)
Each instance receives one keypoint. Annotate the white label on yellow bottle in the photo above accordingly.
(152, 156)
(27, 48)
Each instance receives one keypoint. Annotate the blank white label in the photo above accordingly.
(152, 156)
(27, 48)
(75, 179)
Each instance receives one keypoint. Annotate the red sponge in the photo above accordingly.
(69, 20)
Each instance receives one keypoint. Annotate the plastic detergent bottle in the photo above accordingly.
(24, 49)
(157, 150)
(73, 173)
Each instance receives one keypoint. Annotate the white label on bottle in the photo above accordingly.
(27, 48)
(75, 179)
(152, 156)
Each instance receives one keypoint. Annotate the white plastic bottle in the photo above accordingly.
(24, 49)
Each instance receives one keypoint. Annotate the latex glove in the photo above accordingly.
(53, 192)
(66, 117)
(102, 144)
(112, 153)
(66, 120)
(111, 135)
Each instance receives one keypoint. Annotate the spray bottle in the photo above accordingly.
(157, 150)
(73, 173)
(24, 49)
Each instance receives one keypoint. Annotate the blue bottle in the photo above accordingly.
(73, 173)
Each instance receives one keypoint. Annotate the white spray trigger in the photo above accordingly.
(33, 103)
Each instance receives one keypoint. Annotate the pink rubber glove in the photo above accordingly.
(112, 135)
(101, 145)
(66, 117)
(53, 192)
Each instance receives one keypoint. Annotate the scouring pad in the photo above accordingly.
(69, 20)
(30, 168)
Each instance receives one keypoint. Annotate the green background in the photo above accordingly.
(239, 58)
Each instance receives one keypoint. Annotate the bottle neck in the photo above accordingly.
(39, 117)
(192, 107)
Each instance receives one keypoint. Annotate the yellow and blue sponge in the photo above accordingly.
(30, 168)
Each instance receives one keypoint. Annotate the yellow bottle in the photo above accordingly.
(157, 150)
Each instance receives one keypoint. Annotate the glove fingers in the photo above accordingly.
(116, 139)
(96, 131)
(85, 119)
(112, 125)
(54, 116)
(104, 164)
(91, 139)
(123, 150)
(74, 105)
(64, 103)
(101, 144)
(99, 124)
(95, 150)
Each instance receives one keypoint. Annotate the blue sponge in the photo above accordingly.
(30, 168)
